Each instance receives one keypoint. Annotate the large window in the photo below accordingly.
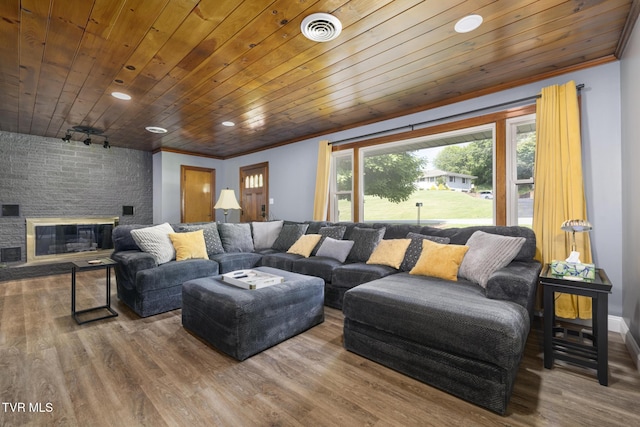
(476, 171)
(443, 180)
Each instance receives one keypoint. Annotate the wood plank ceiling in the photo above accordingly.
(190, 65)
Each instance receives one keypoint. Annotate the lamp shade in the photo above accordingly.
(578, 225)
(227, 200)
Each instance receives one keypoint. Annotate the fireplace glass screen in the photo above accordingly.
(72, 238)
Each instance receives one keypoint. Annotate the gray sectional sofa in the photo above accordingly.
(459, 336)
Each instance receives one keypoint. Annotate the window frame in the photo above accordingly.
(512, 180)
(456, 122)
(333, 190)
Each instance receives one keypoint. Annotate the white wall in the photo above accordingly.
(630, 69)
(292, 167)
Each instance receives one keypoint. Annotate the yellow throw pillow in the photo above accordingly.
(304, 245)
(189, 245)
(389, 252)
(439, 260)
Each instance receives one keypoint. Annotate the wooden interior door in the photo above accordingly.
(254, 192)
(197, 194)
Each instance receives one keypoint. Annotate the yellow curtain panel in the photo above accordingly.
(321, 199)
(559, 186)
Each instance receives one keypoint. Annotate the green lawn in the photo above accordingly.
(436, 205)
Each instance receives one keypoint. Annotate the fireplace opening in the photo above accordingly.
(53, 238)
(64, 239)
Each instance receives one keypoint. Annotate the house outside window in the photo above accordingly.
(443, 181)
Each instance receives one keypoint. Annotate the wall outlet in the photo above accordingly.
(270, 201)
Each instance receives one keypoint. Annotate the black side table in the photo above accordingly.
(105, 263)
(572, 345)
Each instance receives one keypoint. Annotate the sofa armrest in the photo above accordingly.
(516, 282)
(129, 263)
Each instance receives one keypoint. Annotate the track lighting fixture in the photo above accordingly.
(89, 133)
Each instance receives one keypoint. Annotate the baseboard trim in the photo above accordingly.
(617, 324)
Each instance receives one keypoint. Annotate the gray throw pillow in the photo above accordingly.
(365, 241)
(415, 249)
(289, 234)
(488, 253)
(336, 249)
(236, 237)
(334, 231)
(211, 236)
(155, 241)
(265, 233)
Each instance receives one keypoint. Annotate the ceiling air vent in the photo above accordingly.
(321, 27)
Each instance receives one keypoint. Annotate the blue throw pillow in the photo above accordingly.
(236, 237)
(289, 234)
(365, 241)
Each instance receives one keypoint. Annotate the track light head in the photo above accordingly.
(106, 144)
(87, 141)
(67, 136)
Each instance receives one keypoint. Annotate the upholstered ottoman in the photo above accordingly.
(243, 322)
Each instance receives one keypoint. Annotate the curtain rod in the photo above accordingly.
(453, 116)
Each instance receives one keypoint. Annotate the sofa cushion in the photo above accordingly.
(304, 245)
(155, 240)
(236, 237)
(122, 238)
(236, 261)
(428, 311)
(415, 249)
(279, 260)
(438, 260)
(389, 252)
(189, 245)
(289, 234)
(317, 266)
(265, 233)
(336, 249)
(488, 253)
(211, 235)
(365, 241)
(349, 275)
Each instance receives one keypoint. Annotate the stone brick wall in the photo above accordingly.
(51, 178)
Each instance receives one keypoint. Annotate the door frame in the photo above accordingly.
(183, 169)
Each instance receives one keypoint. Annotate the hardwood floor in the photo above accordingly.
(130, 371)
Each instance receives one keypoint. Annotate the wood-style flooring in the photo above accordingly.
(129, 371)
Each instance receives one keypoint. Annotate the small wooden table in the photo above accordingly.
(105, 263)
(569, 344)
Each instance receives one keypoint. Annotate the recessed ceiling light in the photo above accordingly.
(228, 124)
(121, 95)
(468, 23)
(156, 129)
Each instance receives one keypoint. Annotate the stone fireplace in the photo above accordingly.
(63, 238)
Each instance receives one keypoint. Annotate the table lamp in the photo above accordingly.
(226, 201)
(573, 225)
